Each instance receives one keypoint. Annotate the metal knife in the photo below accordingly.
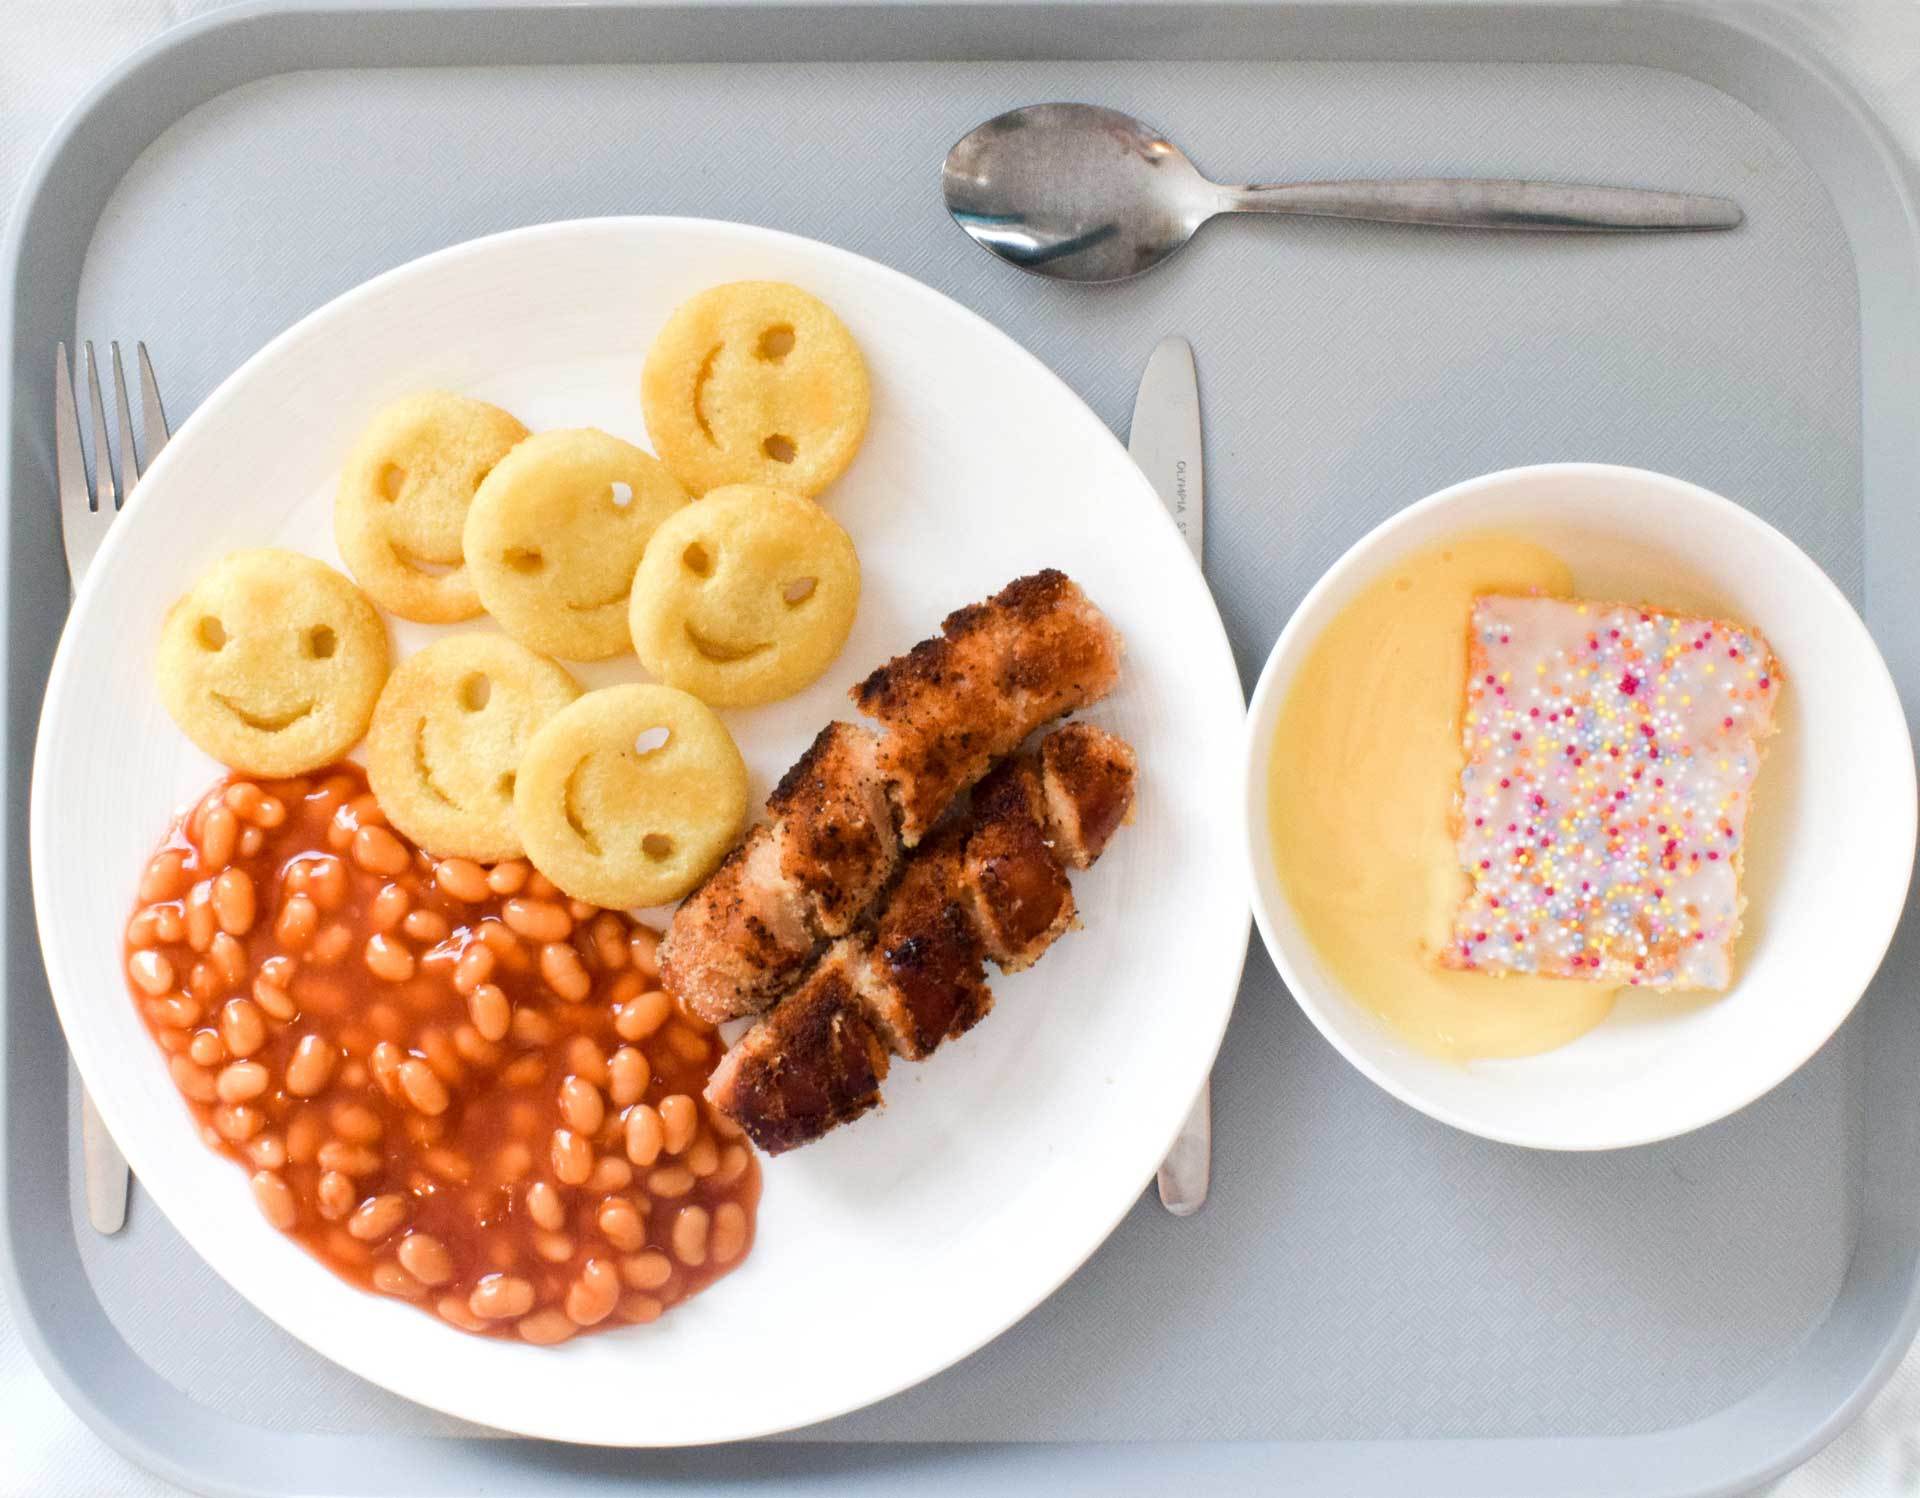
(1165, 441)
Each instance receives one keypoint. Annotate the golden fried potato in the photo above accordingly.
(447, 737)
(755, 382)
(629, 795)
(745, 596)
(555, 534)
(401, 510)
(273, 662)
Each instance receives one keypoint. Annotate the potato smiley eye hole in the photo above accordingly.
(392, 477)
(657, 845)
(622, 495)
(524, 559)
(212, 633)
(475, 691)
(780, 448)
(776, 343)
(321, 642)
(698, 560)
(651, 740)
(506, 785)
(799, 590)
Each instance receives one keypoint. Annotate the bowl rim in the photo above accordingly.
(1319, 1002)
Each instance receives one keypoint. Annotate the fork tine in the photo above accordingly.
(69, 458)
(152, 413)
(123, 424)
(106, 499)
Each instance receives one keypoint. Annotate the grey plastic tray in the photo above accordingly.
(1371, 1302)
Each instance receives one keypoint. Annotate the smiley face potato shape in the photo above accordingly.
(630, 795)
(745, 596)
(555, 534)
(401, 511)
(273, 662)
(755, 382)
(447, 738)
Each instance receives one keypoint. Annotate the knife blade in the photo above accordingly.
(1164, 440)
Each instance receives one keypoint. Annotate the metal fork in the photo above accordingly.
(86, 510)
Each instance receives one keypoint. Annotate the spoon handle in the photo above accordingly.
(1473, 203)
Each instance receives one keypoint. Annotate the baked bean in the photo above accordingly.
(298, 922)
(555, 1248)
(252, 840)
(545, 1328)
(462, 878)
(327, 881)
(241, 1082)
(204, 982)
(454, 1308)
(721, 1125)
(242, 1026)
(423, 1088)
(144, 929)
(572, 1157)
(733, 1165)
(564, 973)
(502, 942)
(165, 878)
(524, 1072)
(268, 1151)
(513, 1162)
(539, 886)
(384, 1062)
(702, 1157)
(627, 1076)
(475, 1047)
(279, 971)
(537, 920)
(173, 1042)
(348, 1159)
(645, 1135)
(389, 907)
(621, 1225)
(679, 1117)
(391, 1279)
(356, 1123)
(592, 1297)
(586, 1059)
(237, 1122)
(233, 901)
(499, 1297)
(378, 851)
(492, 1014)
(169, 924)
(207, 1048)
(177, 1011)
(276, 1200)
(305, 1135)
(690, 1229)
(642, 1015)
(312, 1066)
(582, 1106)
(193, 1079)
(646, 1271)
(378, 1216)
(545, 1207)
(254, 805)
(643, 948)
(219, 837)
(729, 1238)
(275, 1001)
(689, 1043)
(473, 969)
(426, 1258)
(671, 1181)
(531, 1027)
(438, 1048)
(200, 919)
(610, 1172)
(507, 878)
(448, 1165)
(637, 1310)
(334, 1193)
(150, 971)
(388, 958)
(229, 959)
(427, 926)
(609, 936)
(331, 944)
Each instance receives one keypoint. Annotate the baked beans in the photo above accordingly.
(450, 1083)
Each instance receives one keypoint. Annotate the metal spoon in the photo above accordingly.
(1081, 193)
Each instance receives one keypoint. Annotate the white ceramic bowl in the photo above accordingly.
(1827, 871)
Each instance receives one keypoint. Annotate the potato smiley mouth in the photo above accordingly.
(721, 653)
(423, 566)
(263, 722)
(608, 602)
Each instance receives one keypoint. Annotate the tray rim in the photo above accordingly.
(1776, 1436)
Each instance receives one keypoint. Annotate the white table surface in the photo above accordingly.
(52, 50)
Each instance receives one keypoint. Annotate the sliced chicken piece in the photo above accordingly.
(1037, 650)
(815, 1062)
(1087, 777)
(1020, 896)
(921, 977)
(741, 939)
(835, 827)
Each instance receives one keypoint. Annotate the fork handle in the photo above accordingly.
(107, 1174)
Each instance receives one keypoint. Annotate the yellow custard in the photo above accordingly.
(1365, 771)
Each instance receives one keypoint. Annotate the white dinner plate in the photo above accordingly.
(896, 1246)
